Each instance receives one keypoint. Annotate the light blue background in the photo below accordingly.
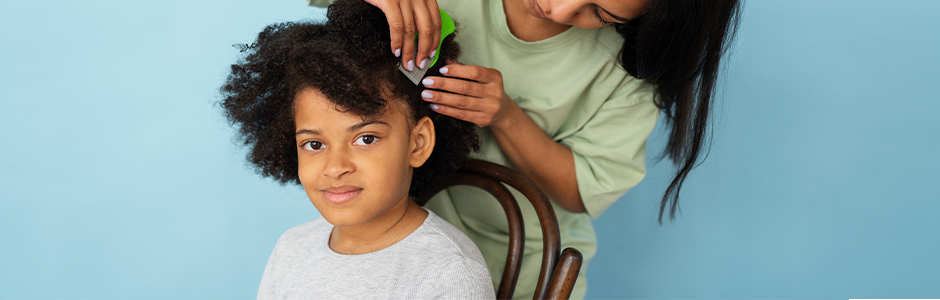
(119, 178)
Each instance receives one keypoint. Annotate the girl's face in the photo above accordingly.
(587, 14)
(356, 169)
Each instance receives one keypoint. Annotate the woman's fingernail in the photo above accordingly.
(411, 65)
(424, 63)
(433, 52)
(398, 52)
(434, 106)
(444, 70)
(426, 95)
(427, 81)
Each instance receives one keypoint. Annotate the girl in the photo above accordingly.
(320, 105)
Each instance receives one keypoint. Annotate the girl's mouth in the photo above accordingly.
(341, 194)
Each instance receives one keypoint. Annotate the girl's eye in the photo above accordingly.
(366, 140)
(313, 145)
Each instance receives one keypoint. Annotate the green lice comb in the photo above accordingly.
(447, 28)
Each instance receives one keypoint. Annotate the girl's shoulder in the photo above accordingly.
(439, 239)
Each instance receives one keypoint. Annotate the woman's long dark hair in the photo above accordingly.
(678, 45)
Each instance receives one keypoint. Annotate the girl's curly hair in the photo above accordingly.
(348, 60)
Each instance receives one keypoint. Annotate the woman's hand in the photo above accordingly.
(471, 93)
(407, 17)
(475, 94)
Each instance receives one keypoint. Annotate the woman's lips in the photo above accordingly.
(341, 194)
(538, 9)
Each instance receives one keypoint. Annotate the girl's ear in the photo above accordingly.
(422, 142)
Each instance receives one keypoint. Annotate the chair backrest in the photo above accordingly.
(559, 271)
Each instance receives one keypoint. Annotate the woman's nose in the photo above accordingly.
(561, 11)
(338, 165)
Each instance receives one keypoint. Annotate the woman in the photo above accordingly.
(567, 92)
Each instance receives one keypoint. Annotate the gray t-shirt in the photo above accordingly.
(436, 261)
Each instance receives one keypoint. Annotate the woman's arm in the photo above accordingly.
(475, 94)
(549, 164)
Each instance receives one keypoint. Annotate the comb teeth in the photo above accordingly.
(418, 73)
(447, 28)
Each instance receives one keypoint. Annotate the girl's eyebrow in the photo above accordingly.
(307, 131)
(366, 123)
(351, 128)
(618, 18)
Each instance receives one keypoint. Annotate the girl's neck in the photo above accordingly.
(381, 232)
(527, 27)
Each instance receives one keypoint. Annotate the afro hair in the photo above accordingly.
(347, 59)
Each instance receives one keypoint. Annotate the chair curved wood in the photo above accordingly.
(559, 271)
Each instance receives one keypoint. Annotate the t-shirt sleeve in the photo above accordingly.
(610, 149)
(319, 3)
(458, 278)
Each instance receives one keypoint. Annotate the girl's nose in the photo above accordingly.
(338, 165)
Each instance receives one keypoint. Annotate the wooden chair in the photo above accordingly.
(559, 271)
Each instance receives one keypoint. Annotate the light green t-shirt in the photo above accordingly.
(572, 87)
